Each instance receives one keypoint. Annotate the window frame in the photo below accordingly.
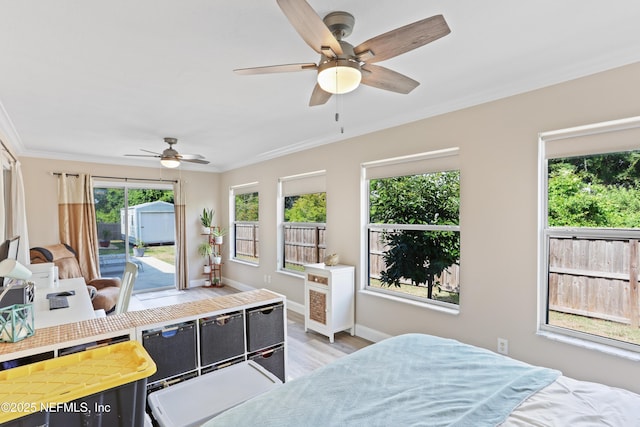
(443, 160)
(236, 190)
(592, 135)
(304, 183)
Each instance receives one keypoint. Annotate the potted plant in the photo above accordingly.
(106, 239)
(139, 248)
(217, 258)
(205, 219)
(218, 234)
(205, 250)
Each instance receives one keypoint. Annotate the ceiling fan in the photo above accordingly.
(170, 158)
(343, 67)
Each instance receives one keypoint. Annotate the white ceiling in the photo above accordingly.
(93, 80)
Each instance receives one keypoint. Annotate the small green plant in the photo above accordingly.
(205, 249)
(139, 244)
(106, 234)
(219, 232)
(206, 217)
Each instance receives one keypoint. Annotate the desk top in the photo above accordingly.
(80, 307)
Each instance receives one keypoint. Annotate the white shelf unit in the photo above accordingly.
(329, 299)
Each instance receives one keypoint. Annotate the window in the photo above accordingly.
(302, 218)
(590, 229)
(412, 227)
(245, 228)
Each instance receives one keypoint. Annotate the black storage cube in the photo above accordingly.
(119, 406)
(265, 326)
(221, 338)
(272, 360)
(172, 348)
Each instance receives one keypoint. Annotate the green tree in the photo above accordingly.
(306, 208)
(247, 207)
(416, 255)
(595, 191)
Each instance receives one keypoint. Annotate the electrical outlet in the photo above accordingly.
(503, 346)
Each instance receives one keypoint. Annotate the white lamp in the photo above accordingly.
(14, 270)
(170, 162)
(339, 75)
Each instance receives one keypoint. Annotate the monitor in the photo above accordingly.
(9, 250)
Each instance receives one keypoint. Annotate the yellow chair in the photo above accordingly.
(126, 288)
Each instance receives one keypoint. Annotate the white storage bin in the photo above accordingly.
(193, 402)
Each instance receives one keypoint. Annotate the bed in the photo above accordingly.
(417, 379)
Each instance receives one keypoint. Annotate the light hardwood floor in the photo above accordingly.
(306, 351)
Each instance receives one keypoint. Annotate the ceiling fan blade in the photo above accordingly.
(319, 96)
(309, 25)
(403, 39)
(190, 156)
(142, 155)
(285, 68)
(152, 152)
(384, 78)
(200, 161)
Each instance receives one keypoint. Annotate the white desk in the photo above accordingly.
(80, 307)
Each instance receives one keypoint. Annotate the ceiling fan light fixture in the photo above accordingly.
(170, 163)
(339, 76)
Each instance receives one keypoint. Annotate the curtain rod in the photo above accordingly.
(119, 177)
(8, 152)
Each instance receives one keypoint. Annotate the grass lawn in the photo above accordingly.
(164, 253)
(420, 291)
(603, 328)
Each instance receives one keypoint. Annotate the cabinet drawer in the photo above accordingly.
(221, 338)
(272, 360)
(173, 349)
(317, 306)
(314, 278)
(265, 326)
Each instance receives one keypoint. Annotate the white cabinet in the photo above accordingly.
(329, 298)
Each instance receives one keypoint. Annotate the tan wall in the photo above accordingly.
(498, 218)
(498, 154)
(41, 198)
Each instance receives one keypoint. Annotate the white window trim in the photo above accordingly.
(250, 187)
(365, 226)
(280, 216)
(581, 339)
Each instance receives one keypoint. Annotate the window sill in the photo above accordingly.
(590, 345)
(239, 261)
(299, 275)
(415, 303)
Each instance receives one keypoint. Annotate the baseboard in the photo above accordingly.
(370, 334)
(242, 287)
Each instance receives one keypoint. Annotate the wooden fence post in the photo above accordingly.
(633, 282)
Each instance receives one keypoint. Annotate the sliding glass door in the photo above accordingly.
(136, 223)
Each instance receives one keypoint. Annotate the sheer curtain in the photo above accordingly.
(18, 217)
(179, 203)
(77, 221)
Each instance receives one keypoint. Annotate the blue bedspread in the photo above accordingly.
(408, 380)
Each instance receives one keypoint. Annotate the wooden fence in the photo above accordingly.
(449, 280)
(304, 243)
(595, 278)
(247, 240)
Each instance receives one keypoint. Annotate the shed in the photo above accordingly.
(152, 222)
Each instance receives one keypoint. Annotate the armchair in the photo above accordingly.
(104, 291)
